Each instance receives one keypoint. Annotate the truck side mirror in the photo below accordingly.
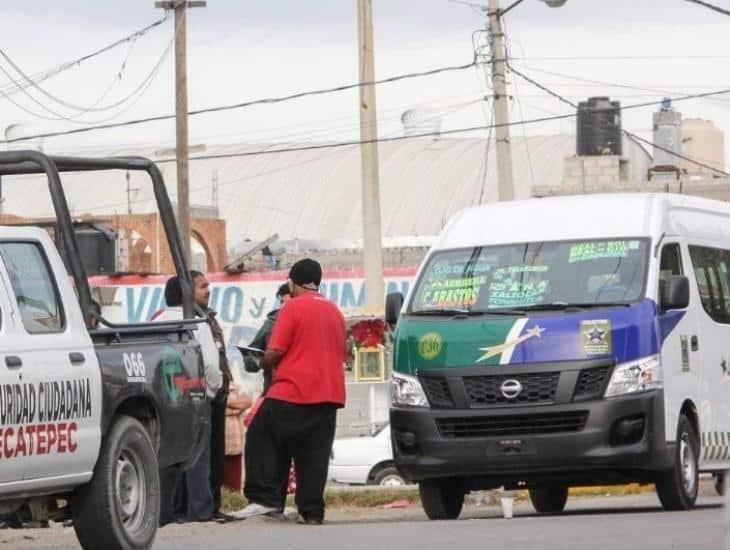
(674, 293)
(393, 305)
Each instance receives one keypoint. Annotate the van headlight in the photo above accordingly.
(407, 390)
(636, 377)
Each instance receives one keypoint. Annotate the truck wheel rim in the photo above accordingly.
(130, 489)
(688, 463)
(392, 481)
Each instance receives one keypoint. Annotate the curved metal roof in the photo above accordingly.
(315, 194)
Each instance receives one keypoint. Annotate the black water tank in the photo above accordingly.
(96, 248)
(599, 127)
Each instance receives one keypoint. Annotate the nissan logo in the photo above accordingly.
(511, 388)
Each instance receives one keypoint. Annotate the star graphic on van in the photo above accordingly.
(596, 335)
(491, 351)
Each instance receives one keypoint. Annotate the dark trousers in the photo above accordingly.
(282, 432)
(217, 450)
(185, 495)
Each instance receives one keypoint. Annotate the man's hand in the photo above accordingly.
(271, 359)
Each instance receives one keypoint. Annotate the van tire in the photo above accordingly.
(441, 498)
(388, 476)
(549, 500)
(677, 487)
(127, 466)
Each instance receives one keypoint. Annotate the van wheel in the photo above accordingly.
(549, 500)
(441, 498)
(388, 477)
(120, 507)
(677, 488)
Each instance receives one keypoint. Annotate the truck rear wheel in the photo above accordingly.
(441, 498)
(677, 488)
(120, 507)
(549, 500)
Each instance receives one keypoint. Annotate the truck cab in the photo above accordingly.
(90, 411)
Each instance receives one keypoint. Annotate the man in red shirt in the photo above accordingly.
(296, 421)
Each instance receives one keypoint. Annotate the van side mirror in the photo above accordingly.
(393, 305)
(674, 293)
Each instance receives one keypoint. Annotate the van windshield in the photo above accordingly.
(536, 275)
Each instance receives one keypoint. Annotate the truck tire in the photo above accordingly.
(441, 498)
(677, 488)
(119, 509)
(549, 500)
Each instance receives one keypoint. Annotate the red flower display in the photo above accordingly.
(368, 333)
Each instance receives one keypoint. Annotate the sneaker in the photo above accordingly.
(301, 520)
(253, 510)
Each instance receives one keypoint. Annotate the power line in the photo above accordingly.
(604, 83)
(48, 73)
(630, 134)
(438, 133)
(68, 105)
(265, 101)
(674, 153)
(710, 6)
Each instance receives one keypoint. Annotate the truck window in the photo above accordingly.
(713, 280)
(34, 287)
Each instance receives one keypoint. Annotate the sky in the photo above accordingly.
(255, 49)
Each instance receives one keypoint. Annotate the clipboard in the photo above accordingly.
(247, 350)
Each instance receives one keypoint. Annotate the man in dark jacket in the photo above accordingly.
(261, 340)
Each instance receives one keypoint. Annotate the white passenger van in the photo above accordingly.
(566, 341)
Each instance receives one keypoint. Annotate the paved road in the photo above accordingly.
(625, 523)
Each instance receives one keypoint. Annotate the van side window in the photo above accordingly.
(712, 272)
(34, 287)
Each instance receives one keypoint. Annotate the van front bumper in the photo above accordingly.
(604, 441)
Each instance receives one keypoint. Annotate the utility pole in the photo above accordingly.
(181, 115)
(372, 239)
(505, 185)
(129, 195)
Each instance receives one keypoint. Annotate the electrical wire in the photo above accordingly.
(626, 132)
(48, 73)
(453, 131)
(132, 97)
(710, 6)
(244, 104)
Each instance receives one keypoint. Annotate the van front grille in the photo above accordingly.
(512, 425)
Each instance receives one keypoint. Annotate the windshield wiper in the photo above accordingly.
(466, 312)
(576, 306)
(440, 312)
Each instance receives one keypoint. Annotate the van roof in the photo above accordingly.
(596, 216)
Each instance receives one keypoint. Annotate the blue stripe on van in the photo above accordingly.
(636, 331)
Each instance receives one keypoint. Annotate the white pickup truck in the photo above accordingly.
(89, 413)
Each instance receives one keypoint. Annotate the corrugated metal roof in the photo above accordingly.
(316, 194)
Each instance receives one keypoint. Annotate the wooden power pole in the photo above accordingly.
(181, 116)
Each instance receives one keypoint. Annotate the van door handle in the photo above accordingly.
(694, 343)
(76, 358)
(13, 361)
